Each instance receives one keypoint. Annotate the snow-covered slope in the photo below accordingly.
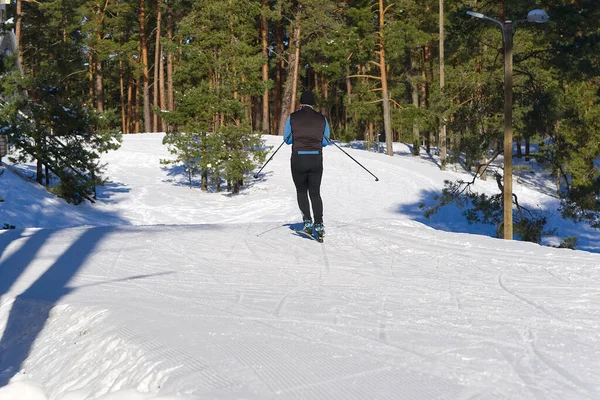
(162, 290)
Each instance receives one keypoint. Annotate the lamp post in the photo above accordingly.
(508, 30)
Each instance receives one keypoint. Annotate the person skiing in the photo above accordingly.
(308, 132)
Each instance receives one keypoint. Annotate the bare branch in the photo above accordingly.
(520, 208)
(76, 72)
(364, 76)
(465, 102)
(483, 167)
(400, 106)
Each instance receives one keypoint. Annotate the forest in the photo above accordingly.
(216, 74)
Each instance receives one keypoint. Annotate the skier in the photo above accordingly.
(308, 132)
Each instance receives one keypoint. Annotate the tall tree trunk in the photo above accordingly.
(122, 97)
(161, 88)
(349, 98)
(507, 219)
(130, 105)
(99, 87)
(387, 124)
(362, 71)
(479, 94)
(204, 181)
(324, 95)
(212, 84)
(415, 100)
(425, 93)
(296, 63)
(170, 36)
(416, 131)
(157, 61)
(234, 60)
(145, 69)
(442, 85)
(136, 113)
(19, 19)
(247, 101)
(289, 96)
(264, 28)
(39, 171)
(371, 134)
(91, 85)
(279, 69)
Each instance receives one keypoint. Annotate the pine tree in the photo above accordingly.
(44, 113)
(220, 71)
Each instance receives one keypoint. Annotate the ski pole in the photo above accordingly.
(330, 141)
(270, 158)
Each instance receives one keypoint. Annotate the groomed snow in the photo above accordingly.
(161, 291)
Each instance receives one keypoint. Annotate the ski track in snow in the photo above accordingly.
(208, 296)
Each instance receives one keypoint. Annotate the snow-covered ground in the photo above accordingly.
(161, 291)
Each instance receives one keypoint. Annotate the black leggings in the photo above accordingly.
(307, 171)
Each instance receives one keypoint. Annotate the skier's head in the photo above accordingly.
(307, 98)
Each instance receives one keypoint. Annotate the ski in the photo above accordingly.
(309, 235)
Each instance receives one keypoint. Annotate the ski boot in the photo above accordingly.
(308, 226)
(320, 232)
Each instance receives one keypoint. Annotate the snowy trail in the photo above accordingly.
(362, 316)
(163, 290)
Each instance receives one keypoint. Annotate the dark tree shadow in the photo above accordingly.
(15, 264)
(178, 177)
(409, 152)
(25, 171)
(108, 190)
(429, 156)
(31, 308)
(450, 219)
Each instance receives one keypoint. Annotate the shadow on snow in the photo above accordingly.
(31, 309)
(450, 219)
(108, 190)
(178, 177)
(295, 227)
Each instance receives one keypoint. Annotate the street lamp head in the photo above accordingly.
(475, 14)
(538, 16)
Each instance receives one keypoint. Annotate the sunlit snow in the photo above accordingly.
(162, 291)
